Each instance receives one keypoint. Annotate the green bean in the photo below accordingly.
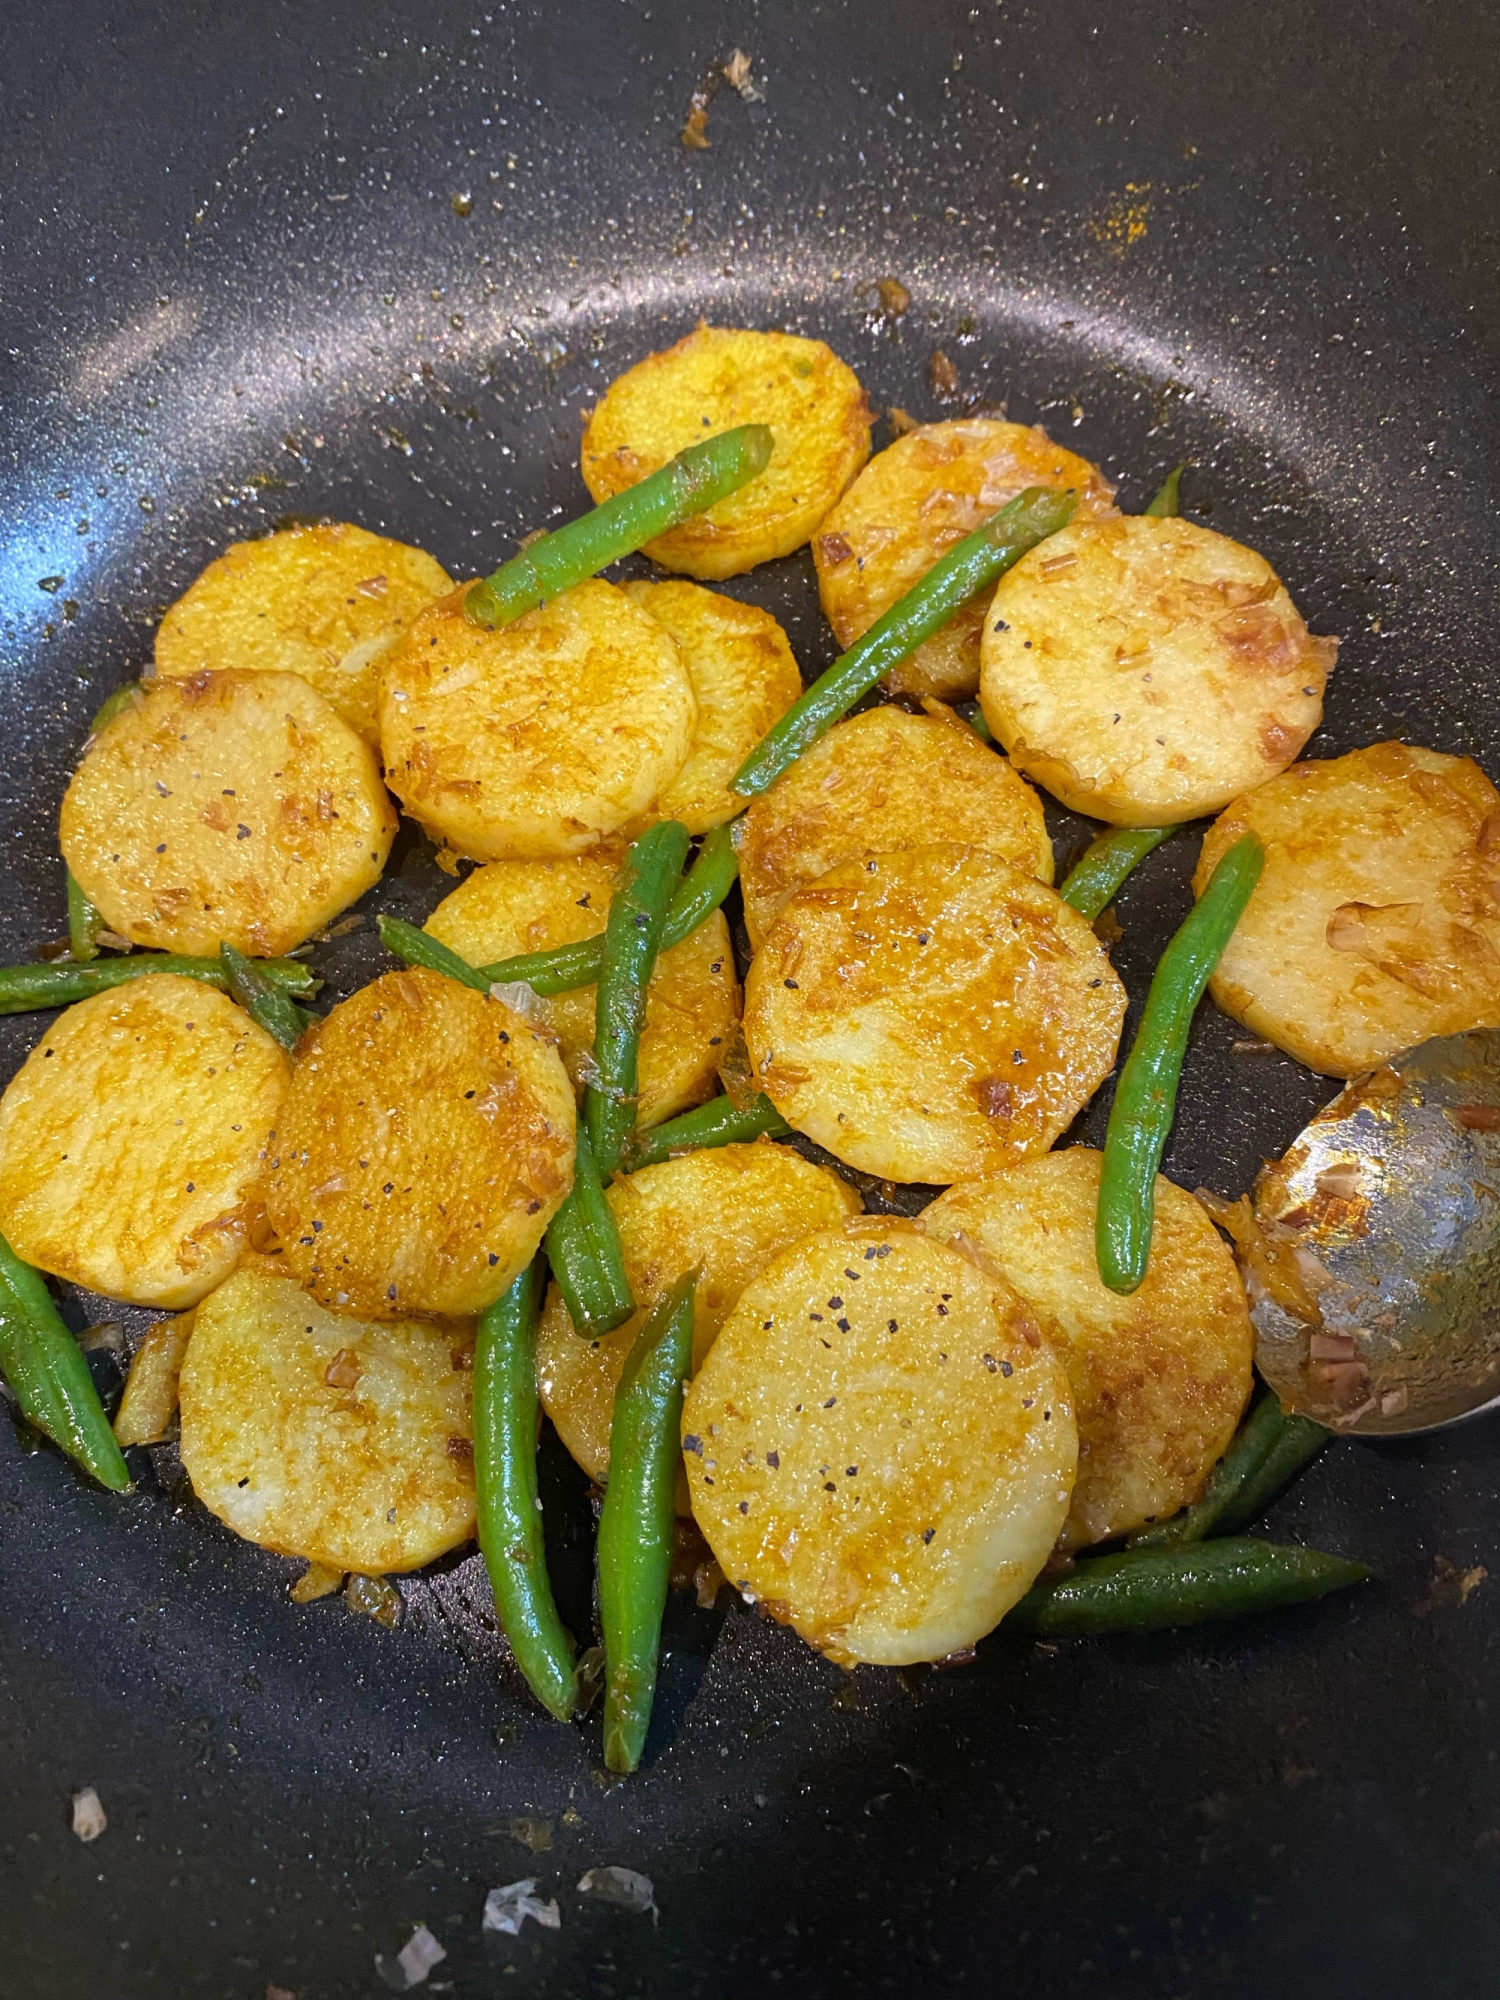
(403, 940)
(1241, 1462)
(688, 484)
(124, 696)
(1297, 1443)
(44, 1367)
(505, 1491)
(263, 1000)
(1146, 1094)
(716, 1123)
(583, 1248)
(1144, 1590)
(980, 727)
(84, 925)
(639, 1517)
(1167, 503)
(1092, 884)
(979, 559)
(26, 988)
(632, 938)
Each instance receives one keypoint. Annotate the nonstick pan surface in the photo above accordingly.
(372, 261)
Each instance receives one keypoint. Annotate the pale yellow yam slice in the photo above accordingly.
(232, 807)
(745, 678)
(1146, 671)
(879, 782)
(542, 738)
(911, 503)
(514, 907)
(879, 1448)
(327, 601)
(727, 1212)
(425, 1144)
(150, 1399)
(132, 1139)
(347, 1441)
(932, 1015)
(714, 380)
(1376, 922)
(1159, 1379)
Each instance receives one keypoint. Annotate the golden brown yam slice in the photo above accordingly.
(1145, 671)
(727, 1212)
(133, 1137)
(539, 739)
(745, 678)
(932, 1015)
(1159, 1379)
(327, 601)
(879, 1448)
(346, 1441)
(1376, 924)
(716, 379)
(911, 503)
(877, 783)
(514, 907)
(425, 1144)
(232, 807)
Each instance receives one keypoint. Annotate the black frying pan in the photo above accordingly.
(236, 288)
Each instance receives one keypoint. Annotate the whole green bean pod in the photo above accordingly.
(632, 939)
(583, 1248)
(505, 1491)
(84, 925)
(268, 1006)
(979, 559)
(405, 941)
(1166, 504)
(1246, 1453)
(689, 484)
(1092, 885)
(49, 1376)
(1144, 1590)
(26, 988)
(1297, 1442)
(716, 1123)
(639, 1517)
(1146, 1094)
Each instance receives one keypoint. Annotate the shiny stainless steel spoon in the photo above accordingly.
(1374, 1271)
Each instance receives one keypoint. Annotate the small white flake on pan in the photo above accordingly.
(508, 1908)
(412, 1963)
(622, 1888)
(89, 1819)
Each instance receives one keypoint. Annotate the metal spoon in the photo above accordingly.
(1374, 1274)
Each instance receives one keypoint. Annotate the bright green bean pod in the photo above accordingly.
(505, 1491)
(632, 939)
(1146, 1094)
(1167, 502)
(1092, 885)
(639, 1518)
(262, 999)
(1145, 1590)
(978, 560)
(583, 1248)
(45, 1368)
(1246, 1453)
(84, 925)
(689, 484)
(26, 988)
(405, 941)
(1297, 1443)
(716, 1123)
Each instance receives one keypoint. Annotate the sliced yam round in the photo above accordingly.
(133, 1137)
(1159, 1379)
(347, 1441)
(1146, 671)
(879, 1448)
(908, 507)
(539, 739)
(327, 601)
(745, 678)
(513, 907)
(727, 1211)
(932, 1015)
(714, 380)
(1375, 925)
(425, 1144)
(879, 782)
(234, 807)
